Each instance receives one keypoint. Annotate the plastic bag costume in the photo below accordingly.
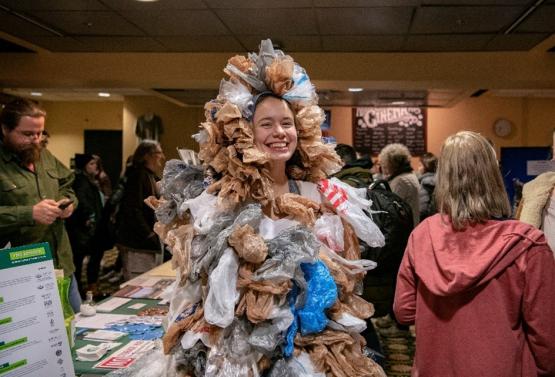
(256, 296)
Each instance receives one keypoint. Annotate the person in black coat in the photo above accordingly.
(81, 226)
(136, 240)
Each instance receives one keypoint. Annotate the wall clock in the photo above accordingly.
(502, 127)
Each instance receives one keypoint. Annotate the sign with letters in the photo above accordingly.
(33, 338)
(375, 127)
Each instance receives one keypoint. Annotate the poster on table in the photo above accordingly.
(33, 339)
(376, 127)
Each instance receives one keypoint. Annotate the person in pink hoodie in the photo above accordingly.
(479, 287)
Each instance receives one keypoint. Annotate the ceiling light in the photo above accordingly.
(36, 94)
(398, 103)
(103, 94)
(353, 90)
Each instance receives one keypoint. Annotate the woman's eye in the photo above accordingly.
(265, 125)
(288, 124)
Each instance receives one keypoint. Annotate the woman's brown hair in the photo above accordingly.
(469, 186)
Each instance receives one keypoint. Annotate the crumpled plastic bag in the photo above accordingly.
(302, 91)
(287, 251)
(321, 294)
(219, 306)
(266, 336)
(329, 230)
(180, 182)
(233, 356)
(350, 206)
(296, 366)
(248, 244)
(238, 94)
(191, 361)
(204, 211)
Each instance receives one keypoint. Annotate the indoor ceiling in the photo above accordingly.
(296, 26)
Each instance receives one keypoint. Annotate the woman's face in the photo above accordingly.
(92, 167)
(274, 129)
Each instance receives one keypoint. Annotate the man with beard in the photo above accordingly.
(35, 188)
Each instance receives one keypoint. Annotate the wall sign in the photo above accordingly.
(375, 127)
(33, 339)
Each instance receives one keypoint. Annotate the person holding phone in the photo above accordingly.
(36, 194)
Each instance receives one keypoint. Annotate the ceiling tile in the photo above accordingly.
(123, 44)
(542, 20)
(53, 4)
(365, 3)
(353, 21)
(362, 43)
(434, 20)
(19, 27)
(264, 4)
(175, 23)
(89, 23)
(220, 43)
(515, 42)
(298, 21)
(148, 6)
(287, 43)
(447, 42)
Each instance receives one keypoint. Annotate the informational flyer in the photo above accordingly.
(33, 339)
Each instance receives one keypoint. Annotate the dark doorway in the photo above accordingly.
(108, 145)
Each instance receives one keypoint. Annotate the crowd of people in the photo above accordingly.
(478, 285)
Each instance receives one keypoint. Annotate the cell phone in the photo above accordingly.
(65, 204)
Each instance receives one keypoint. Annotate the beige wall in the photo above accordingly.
(533, 119)
(179, 124)
(67, 121)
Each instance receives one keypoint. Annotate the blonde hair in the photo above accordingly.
(469, 186)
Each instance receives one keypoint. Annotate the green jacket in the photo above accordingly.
(20, 189)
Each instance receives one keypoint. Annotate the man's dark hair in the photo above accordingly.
(16, 109)
(429, 161)
(346, 152)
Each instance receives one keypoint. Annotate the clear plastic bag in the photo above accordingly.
(239, 95)
(233, 356)
(268, 335)
(287, 251)
(296, 366)
(329, 230)
(219, 306)
(302, 92)
(352, 267)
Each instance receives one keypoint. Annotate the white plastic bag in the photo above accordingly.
(329, 230)
(219, 307)
(203, 209)
(350, 206)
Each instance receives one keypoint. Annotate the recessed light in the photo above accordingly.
(103, 94)
(36, 94)
(354, 90)
(398, 103)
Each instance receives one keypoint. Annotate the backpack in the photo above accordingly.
(394, 218)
